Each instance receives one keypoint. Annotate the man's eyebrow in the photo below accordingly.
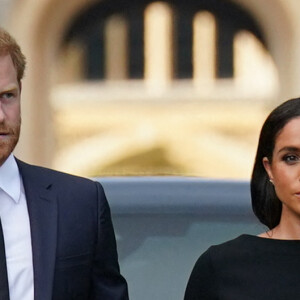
(289, 148)
(9, 89)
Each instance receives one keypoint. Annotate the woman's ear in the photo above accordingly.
(267, 166)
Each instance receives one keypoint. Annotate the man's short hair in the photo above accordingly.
(8, 45)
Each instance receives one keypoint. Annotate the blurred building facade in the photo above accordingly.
(152, 87)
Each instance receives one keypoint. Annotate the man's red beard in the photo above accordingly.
(10, 140)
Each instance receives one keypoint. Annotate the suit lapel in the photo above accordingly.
(42, 208)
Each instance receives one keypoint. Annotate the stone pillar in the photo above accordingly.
(116, 48)
(158, 44)
(204, 47)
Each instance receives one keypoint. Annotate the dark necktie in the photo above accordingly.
(4, 292)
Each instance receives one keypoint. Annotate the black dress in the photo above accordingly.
(248, 267)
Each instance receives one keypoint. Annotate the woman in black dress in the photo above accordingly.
(265, 266)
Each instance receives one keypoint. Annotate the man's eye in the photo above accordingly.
(290, 159)
(7, 95)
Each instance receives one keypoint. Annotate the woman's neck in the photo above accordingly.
(287, 229)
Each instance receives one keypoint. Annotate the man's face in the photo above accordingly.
(10, 112)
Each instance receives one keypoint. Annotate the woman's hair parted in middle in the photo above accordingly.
(265, 203)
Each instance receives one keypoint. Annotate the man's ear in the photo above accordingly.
(267, 166)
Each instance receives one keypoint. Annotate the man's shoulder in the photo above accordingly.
(43, 173)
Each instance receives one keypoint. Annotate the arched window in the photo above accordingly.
(142, 39)
(154, 87)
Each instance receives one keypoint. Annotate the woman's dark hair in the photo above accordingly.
(265, 203)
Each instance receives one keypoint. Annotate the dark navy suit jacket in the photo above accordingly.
(73, 242)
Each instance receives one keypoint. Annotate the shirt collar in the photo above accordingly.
(10, 181)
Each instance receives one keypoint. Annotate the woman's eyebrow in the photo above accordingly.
(289, 148)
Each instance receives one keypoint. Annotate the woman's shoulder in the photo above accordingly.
(245, 244)
(241, 248)
(223, 257)
(227, 250)
(247, 248)
(244, 241)
(204, 279)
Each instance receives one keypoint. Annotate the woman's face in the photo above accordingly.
(284, 169)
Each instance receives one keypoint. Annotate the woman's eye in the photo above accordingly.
(290, 159)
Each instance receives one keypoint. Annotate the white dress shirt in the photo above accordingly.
(16, 230)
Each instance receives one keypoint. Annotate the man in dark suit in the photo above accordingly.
(58, 235)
